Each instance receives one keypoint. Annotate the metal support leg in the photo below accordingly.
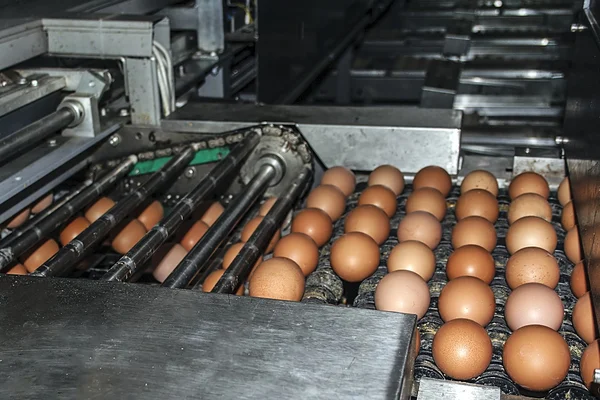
(142, 89)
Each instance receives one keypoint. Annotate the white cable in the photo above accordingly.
(170, 74)
(163, 87)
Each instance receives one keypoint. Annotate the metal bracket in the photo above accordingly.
(543, 161)
(458, 38)
(83, 81)
(441, 84)
(88, 123)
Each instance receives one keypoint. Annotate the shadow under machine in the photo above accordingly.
(178, 112)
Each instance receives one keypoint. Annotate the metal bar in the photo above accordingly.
(33, 133)
(87, 240)
(52, 222)
(257, 244)
(130, 263)
(197, 258)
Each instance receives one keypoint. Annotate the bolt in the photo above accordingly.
(18, 178)
(561, 140)
(123, 112)
(103, 112)
(578, 28)
(498, 3)
(114, 140)
(52, 143)
(181, 70)
(22, 81)
(190, 172)
(34, 83)
(3, 83)
(527, 150)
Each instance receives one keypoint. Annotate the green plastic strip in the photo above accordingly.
(202, 157)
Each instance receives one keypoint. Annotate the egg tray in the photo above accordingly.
(324, 286)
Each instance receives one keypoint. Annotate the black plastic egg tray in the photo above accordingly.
(323, 286)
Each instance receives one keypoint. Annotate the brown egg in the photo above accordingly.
(478, 203)
(434, 177)
(584, 320)
(480, 179)
(152, 215)
(590, 360)
(33, 259)
(532, 265)
(369, 220)
(211, 280)
(533, 304)
(429, 200)
(278, 278)
(42, 204)
(169, 262)
(567, 218)
(462, 349)
(564, 191)
(18, 269)
(412, 256)
(467, 298)
(299, 248)
(471, 260)
(379, 196)
(314, 223)
(98, 209)
(232, 253)
(73, 229)
(402, 291)
(128, 237)
(266, 206)
(528, 182)
(531, 232)
(579, 282)
(572, 246)
(536, 358)
(354, 256)
(389, 176)
(212, 213)
(420, 226)
(19, 219)
(529, 205)
(340, 177)
(251, 227)
(329, 199)
(474, 230)
(193, 235)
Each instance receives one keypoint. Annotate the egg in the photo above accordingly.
(212, 213)
(579, 283)
(33, 259)
(232, 253)
(169, 262)
(369, 220)
(128, 237)
(429, 200)
(529, 205)
(314, 223)
(590, 360)
(19, 219)
(462, 349)
(329, 199)
(412, 256)
(379, 196)
(266, 206)
(479, 179)
(467, 298)
(536, 358)
(478, 203)
(152, 215)
(567, 218)
(18, 269)
(340, 177)
(471, 260)
(572, 245)
(277, 278)
(193, 235)
(211, 280)
(420, 226)
(73, 229)
(584, 320)
(389, 176)
(531, 232)
(433, 177)
(299, 248)
(98, 209)
(533, 304)
(474, 230)
(251, 227)
(402, 291)
(354, 256)
(564, 191)
(532, 265)
(42, 204)
(528, 182)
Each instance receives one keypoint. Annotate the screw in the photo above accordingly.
(190, 172)
(52, 143)
(3, 83)
(22, 81)
(34, 83)
(561, 140)
(123, 112)
(181, 70)
(578, 28)
(498, 3)
(527, 150)
(18, 178)
(114, 140)
(103, 112)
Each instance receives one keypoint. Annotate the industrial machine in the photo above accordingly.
(196, 103)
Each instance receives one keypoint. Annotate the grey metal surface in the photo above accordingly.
(89, 123)
(435, 389)
(142, 89)
(106, 340)
(545, 162)
(29, 92)
(80, 80)
(203, 16)
(20, 42)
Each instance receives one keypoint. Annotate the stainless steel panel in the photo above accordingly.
(20, 42)
(29, 92)
(434, 389)
(142, 89)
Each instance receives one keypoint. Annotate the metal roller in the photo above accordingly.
(90, 238)
(131, 262)
(257, 244)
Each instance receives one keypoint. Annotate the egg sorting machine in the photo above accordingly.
(115, 80)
